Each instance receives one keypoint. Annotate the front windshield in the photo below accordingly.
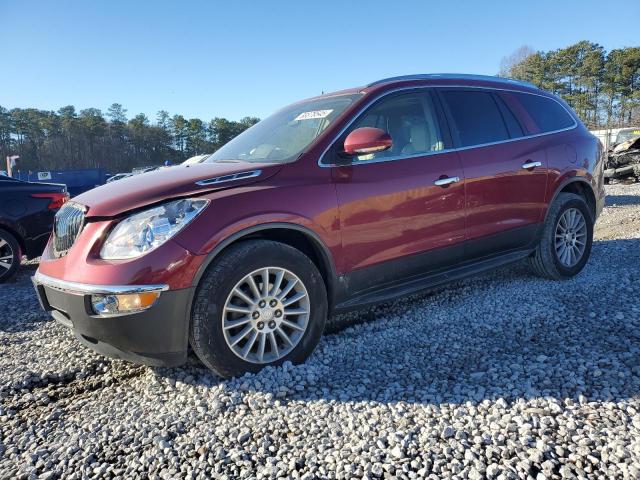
(284, 135)
(629, 134)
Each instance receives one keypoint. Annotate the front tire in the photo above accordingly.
(10, 255)
(262, 303)
(566, 241)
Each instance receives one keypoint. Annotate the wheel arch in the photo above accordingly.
(294, 235)
(579, 186)
(17, 235)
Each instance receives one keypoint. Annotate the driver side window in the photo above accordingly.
(410, 119)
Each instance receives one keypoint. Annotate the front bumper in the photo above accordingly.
(157, 336)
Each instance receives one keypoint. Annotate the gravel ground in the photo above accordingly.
(499, 376)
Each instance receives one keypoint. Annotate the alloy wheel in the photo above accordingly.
(571, 237)
(266, 315)
(6, 256)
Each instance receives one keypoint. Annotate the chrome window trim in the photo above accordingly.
(231, 177)
(446, 150)
(89, 289)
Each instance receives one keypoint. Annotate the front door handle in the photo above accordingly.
(443, 182)
(528, 165)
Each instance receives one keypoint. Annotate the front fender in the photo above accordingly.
(228, 238)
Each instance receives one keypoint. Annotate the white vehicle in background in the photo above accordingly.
(606, 136)
(135, 171)
(623, 156)
(627, 134)
(196, 159)
(118, 176)
(139, 170)
(609, 137)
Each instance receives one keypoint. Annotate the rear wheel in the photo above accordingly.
(10, 255)
(262, 303)
(566, 240)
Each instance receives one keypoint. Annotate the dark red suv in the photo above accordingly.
(332, 203)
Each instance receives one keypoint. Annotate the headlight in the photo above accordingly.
(142, 232)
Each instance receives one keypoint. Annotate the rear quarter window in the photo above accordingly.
(545, 114)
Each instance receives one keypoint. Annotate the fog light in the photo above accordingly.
(118, 304)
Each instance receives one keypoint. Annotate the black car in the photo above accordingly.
(27, 210)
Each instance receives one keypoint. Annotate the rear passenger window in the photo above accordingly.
(547, 114)
(476, 117)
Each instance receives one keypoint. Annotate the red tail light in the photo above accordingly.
(57, 198)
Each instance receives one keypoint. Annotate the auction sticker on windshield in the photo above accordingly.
(313, 114)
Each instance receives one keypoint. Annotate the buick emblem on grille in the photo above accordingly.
(67, 226)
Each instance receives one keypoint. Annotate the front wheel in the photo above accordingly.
(566, 240)
(262, 303)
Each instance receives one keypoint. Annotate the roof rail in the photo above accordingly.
(453, 76)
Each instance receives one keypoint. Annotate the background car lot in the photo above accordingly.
(27, 211)
(503, 374)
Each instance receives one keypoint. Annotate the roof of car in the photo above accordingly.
(431, 78)
(435, 78)
(453, 76)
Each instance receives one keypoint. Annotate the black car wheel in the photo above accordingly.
(566, 240)
(262, 303)
(10, 255)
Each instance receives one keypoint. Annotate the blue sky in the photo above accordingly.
(237, 58)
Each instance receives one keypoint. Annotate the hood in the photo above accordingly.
(147, 188)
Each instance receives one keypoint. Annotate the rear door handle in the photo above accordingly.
(443, 182)
(529, 165)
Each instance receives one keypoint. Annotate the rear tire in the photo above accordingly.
(10, 255)
(232, 300)
(565, 245)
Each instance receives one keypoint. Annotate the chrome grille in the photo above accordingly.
(66, 227)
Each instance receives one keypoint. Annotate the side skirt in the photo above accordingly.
(427, 281)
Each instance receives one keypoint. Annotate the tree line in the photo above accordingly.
(68, 139)
(602, 87)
